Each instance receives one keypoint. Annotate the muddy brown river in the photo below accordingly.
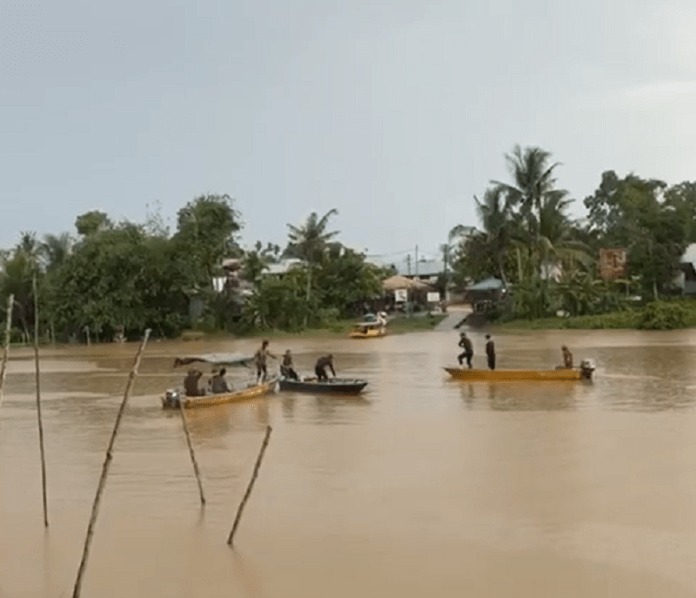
(422, 487)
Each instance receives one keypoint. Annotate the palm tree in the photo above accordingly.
(54, 250)
(533, 180)
(558, 239)
(497, 219)
(309, 242)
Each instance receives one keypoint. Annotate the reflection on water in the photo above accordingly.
(422, 486)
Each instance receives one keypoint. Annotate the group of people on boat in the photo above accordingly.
(287, 367)
(468, 352)
(217, 384)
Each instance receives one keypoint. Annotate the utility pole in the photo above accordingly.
(416, 260)
(408, 263)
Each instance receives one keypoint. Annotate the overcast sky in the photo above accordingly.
(394, 112)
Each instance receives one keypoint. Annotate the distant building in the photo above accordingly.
(281, 268)
(426, 269)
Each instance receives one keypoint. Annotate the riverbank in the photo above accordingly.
(659, 315)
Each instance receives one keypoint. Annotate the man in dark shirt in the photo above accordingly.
(321, 365)
(490, 351)
(468, 353)
(218, 384)
(191, 384)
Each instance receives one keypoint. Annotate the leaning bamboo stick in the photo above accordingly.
(191, 452)
(38, 401)
(250, 486)
(6, 351)
(105, 468)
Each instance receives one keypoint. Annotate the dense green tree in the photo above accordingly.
(632, 213)
(91, 223)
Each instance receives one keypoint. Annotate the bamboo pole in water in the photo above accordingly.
(250, 486)
(191, 452)
(6, 351)
(38, 400)
(105, 468)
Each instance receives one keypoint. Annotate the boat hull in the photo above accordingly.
(170, 401)
(335, 386)
(371, 333)
(473, 375)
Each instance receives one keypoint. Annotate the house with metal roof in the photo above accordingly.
(426, 268)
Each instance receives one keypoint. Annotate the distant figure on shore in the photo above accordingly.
(286, 367)
(321, 365)
(191, 384)
(466, 344)
(490, 352)
(567, 357)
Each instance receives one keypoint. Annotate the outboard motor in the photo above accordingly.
(587, 368)
(171, 399)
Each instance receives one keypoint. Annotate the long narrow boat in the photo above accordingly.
(584, 372)
(173, 397)
(347, 386)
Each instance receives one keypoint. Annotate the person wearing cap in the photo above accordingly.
(468, 353)
(321, 365)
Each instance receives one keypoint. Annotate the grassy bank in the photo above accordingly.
(400, 325)
(659, 315)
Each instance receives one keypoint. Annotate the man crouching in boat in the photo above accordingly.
(286, 367)
(320, 368)
(191, 384)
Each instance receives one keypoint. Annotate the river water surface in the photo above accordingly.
(422, 487)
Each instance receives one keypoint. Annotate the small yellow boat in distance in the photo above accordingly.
(584, 372)
(368, 330)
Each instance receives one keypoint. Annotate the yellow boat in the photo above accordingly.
(584, 372)
(173, 397)
(368, 330)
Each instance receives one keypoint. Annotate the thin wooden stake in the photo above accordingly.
(6, 351)
(105, 468)
(190, 447)
(38, 401)
(250, 486)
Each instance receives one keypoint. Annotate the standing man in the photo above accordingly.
(567, 357)
(466, 344)
(261, 358)
(490, 352)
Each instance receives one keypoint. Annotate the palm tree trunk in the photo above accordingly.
(309, 294)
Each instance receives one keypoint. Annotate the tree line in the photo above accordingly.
(550, 260)
(113, 277)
